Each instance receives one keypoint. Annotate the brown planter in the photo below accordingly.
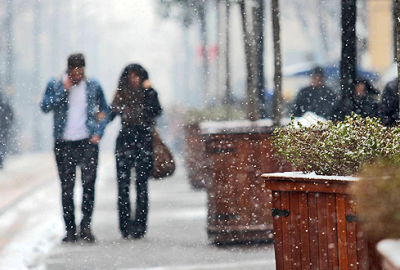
(315, 225)
(237, 198)
(197, 163)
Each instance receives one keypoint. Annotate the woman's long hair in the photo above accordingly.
(123, 94)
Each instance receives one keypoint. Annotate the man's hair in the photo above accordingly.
(318, 71)
(76, 60)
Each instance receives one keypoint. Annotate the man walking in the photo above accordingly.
(316, 98)
(80, 116)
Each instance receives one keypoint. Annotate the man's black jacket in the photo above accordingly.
(319, 100)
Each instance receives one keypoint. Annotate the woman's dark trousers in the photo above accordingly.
(134, 150)
(69, 155)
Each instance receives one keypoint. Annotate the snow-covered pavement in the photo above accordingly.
(31, 227)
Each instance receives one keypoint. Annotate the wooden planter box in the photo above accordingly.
(315, 223)
(197, 163)
(240, 152)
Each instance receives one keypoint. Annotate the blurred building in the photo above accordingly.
(380, 28)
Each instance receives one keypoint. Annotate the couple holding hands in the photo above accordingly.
(81, 114)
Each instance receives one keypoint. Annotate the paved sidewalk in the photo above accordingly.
(176, 236)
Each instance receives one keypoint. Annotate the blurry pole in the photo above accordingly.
(10, 48)
(398, 42)
(278, 63)
(251, 65)
(228, 92)
(349, 52)
(37, 75)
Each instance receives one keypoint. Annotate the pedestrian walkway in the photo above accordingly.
(176, 236)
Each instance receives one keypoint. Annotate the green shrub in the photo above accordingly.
(336, 148)
(377, 194)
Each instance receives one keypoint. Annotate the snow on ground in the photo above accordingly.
(31, 230)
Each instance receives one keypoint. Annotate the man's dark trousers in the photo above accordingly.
(69, 155)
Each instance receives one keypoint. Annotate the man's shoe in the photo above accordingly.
(87, 236)
(125, 235)
(138, 232)
(70, 237)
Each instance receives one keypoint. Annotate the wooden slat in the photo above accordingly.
(296, 237)
(362, 246)
(278, 237)
(332, 232)
(227, 193)
(322, 230)
(286, 232)
(259, 197)
(219, 192)
(314, 231)
(351, 234)
(306, 186)
(342, 231)
(238, 178)
(375, 260)
(268, 163)
(304, 232)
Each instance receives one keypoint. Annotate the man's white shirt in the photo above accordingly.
(75, 128)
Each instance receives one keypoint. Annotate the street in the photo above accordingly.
(32, 227)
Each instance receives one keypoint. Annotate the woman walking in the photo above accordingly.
(363, 101)
(138, 105)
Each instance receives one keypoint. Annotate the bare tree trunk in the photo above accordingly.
(259, 21)
(37, 73)
(322, 28)
(55, 42)
(278, 63)
(228, 92)
(348, 63)
(395, 22)
(65, 33)
(204, 44)
(10, 46)
(251, 64)
(398, 40)
(218, 73)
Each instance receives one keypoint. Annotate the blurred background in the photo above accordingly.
(194, 52)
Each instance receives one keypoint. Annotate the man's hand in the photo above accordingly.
(101, 116)
(95, 139)
(146, 84)
(67, 83)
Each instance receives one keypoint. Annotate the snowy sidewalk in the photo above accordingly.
(29, 209)
(23, 174)
(176, 236)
